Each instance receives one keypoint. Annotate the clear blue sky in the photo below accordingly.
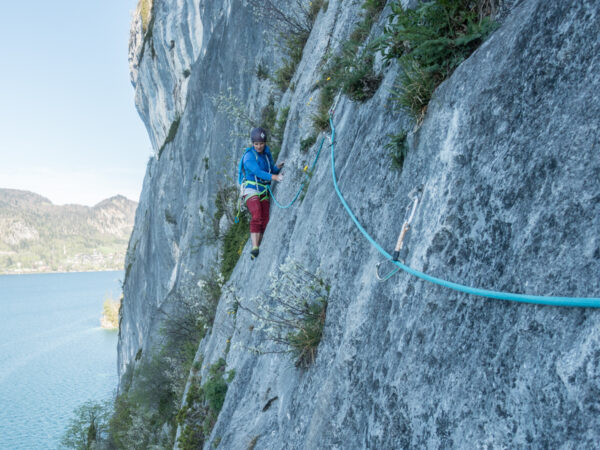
(69, 129)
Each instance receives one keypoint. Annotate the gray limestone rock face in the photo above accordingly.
(508, 157)
(169, 247)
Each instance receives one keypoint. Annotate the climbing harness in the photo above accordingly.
(261, 195)
(409, 215)
(591, 302)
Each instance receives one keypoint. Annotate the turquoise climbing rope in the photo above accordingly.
(301, 186)
(590, 302)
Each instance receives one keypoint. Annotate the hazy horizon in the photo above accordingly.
(68, 203)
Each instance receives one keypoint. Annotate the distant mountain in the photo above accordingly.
(38, 236)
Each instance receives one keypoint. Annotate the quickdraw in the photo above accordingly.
(415, 196)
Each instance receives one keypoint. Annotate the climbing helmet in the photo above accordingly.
(258, 135)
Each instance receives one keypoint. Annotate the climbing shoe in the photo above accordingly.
(254, 253)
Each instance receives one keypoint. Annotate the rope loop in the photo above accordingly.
(306, 178)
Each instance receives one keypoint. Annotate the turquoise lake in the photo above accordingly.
(53, 354)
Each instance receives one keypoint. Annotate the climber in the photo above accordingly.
(256, 171)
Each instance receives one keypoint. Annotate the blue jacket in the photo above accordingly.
(257, 167)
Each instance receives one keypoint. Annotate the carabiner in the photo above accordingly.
(388, 275)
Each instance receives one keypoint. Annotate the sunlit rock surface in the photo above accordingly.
(508, 157)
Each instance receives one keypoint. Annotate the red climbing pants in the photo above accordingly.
(260, 213)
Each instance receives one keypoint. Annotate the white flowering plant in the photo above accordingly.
(292, 316)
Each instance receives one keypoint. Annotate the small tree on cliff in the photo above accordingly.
(88, 427)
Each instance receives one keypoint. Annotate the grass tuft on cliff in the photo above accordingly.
(351, 69)
(145, 11)
(430, 42)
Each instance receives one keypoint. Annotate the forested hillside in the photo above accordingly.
(37, 236)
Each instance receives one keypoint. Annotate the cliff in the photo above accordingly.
(507, 157)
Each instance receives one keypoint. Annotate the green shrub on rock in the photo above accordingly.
(430, 41)
(203, 405)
